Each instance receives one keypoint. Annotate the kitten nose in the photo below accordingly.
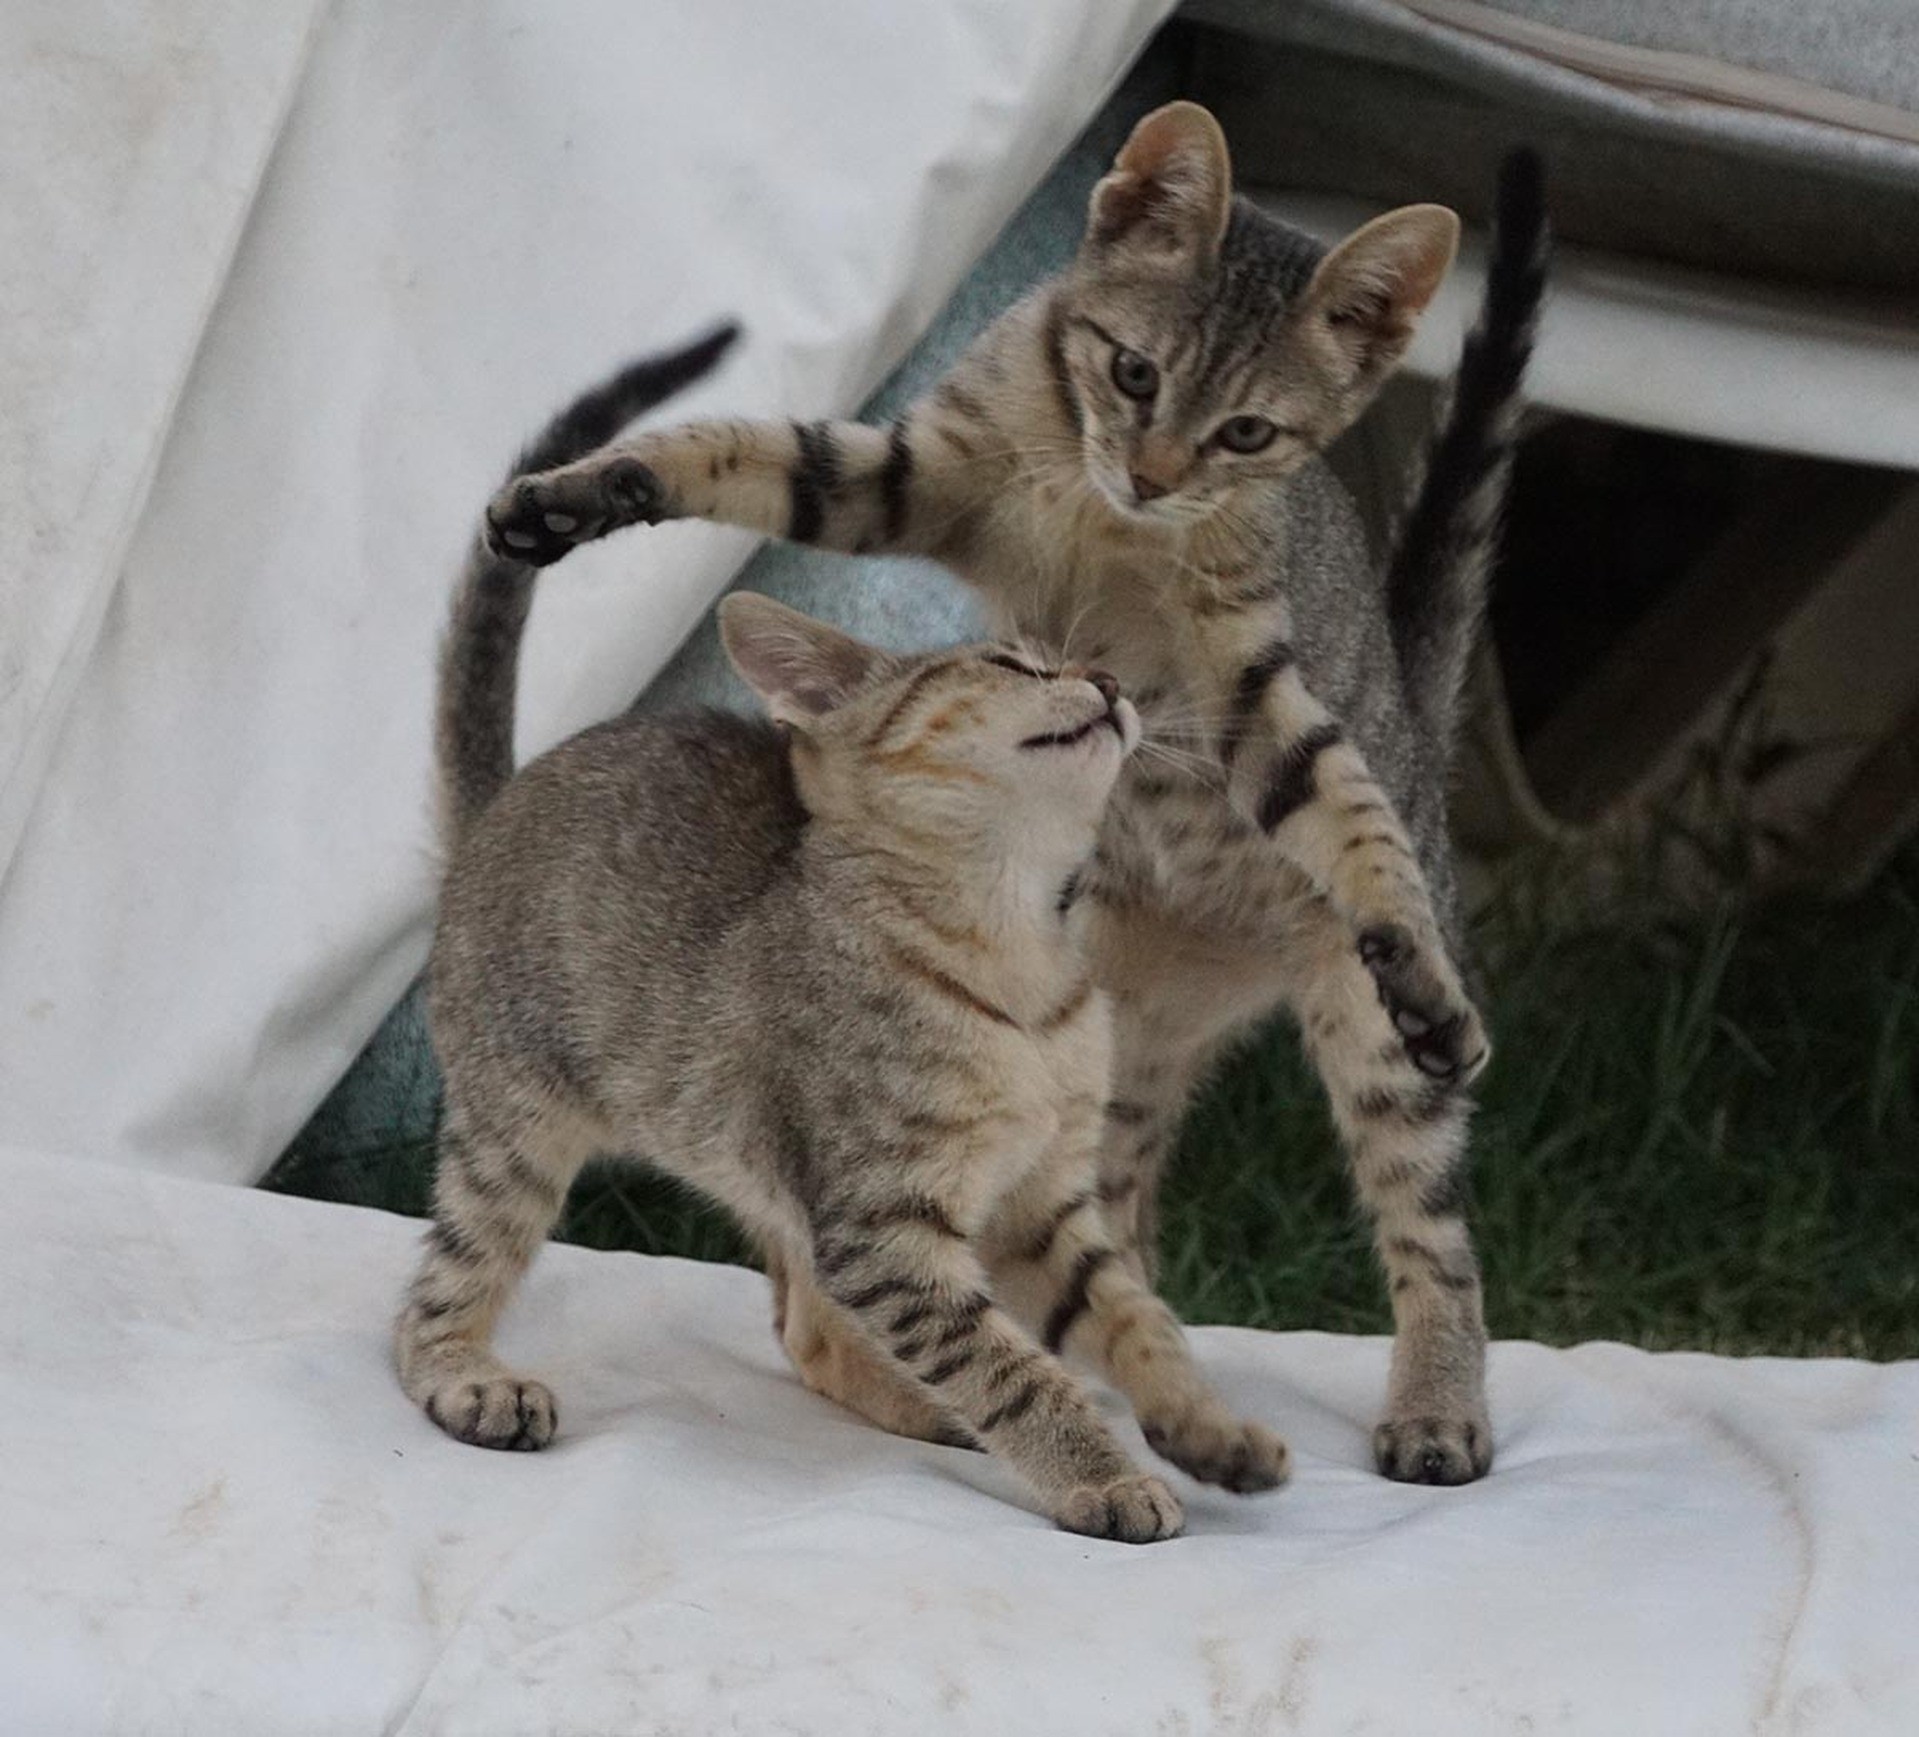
(1108, 687)
(1146, 489)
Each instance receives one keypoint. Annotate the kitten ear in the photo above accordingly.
(1170, 189)
(800, 667)
(1371, 289)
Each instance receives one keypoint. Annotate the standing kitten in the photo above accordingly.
(826, 975)
(1128, 460)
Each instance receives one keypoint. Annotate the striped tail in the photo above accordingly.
(1436, 583)
(480, 657)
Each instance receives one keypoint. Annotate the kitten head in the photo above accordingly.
(982, 752)
(1208, 348)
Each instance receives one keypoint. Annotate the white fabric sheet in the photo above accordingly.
(471, 212)
(219, 1515)
(134, 138)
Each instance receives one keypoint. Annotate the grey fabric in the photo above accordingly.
(389, 1098)
(1867, 47)
(1368, 98)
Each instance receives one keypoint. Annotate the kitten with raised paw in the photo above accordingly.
(820, 968)
(1128, 464)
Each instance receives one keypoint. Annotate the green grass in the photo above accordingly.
(1696, 1133)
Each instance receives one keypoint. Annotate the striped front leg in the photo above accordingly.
(1291, 771)
(918, 1290)
(836, 485)
(1406, 1140)
(838, 1362)
(1057, 1262)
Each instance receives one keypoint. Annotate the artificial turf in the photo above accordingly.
(1698, 1131)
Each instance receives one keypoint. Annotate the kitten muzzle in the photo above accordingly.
(1118, 716)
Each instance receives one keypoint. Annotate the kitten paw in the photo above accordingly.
(1138, 1509)
(1434, 1450)
(1242, 1457)
(538, 519)
(1438, 1025)
(499, 1413)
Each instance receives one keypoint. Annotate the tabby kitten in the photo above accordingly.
(1128, 462)
(822, 970)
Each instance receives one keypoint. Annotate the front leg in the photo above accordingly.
(1057, 1261)
(1291, 772)
(904, 488)
(907, 1274)
(1405, 1136)
(838, 1362)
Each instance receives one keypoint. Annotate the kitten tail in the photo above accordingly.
(480, 657)
(1436, 584)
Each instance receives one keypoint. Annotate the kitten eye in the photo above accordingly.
(1134, 374)
(1018, 668)
(1246, 434)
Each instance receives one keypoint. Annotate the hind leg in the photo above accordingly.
(1156, 1067)
(1178, 997)
(501, 1182)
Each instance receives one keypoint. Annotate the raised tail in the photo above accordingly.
(480, 657)
(1436, 582)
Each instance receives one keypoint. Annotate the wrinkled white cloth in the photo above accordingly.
(134, 139)
(214, 696)
(219, 1515)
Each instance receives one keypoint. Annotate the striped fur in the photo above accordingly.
(1281, 840)
(1436, 579)
(821, 973)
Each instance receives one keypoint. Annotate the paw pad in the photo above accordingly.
(1439, 1030)
(632, 492)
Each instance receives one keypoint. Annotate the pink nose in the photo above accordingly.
(1145, 489)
